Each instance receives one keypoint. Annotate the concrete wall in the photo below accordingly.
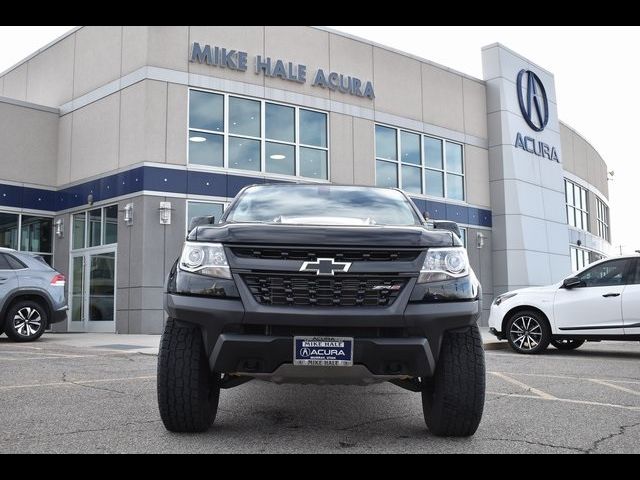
(28, 143)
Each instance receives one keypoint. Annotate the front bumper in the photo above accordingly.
(413, 349)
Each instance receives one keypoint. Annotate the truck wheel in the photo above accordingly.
(26, 321)
(188, 392)
(566, 343)
(453, 402)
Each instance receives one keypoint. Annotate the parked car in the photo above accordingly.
(322, 284)
(31, 295)
(600, 302)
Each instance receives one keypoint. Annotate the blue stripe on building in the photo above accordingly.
(190, 182)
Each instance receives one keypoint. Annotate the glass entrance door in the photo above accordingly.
(93, 288)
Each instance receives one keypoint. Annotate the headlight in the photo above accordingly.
(501, 298)
(444, 264)
(206, 259)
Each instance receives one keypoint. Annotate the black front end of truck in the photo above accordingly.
(361, 297)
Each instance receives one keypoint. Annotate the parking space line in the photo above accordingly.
(49, 356)
(526, 387)
(567, 400)
(611, 385)
(572, 377)
(16, 352)
(76, 382)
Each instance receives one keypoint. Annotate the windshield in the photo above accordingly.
(323, 205)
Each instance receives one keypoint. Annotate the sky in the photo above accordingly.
(595, 71)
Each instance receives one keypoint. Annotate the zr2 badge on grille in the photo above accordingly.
(323, 351)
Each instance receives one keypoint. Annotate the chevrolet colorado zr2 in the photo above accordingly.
(322, 284)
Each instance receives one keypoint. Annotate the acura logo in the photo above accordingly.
(532, 98)
(325, 266)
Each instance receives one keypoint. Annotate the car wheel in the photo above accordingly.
(566, 343)
(188, 393)
(26, 321)
(453, 400)
(528, 332)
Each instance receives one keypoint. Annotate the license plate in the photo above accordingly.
(323, 351)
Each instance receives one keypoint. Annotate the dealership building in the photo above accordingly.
(112, 138)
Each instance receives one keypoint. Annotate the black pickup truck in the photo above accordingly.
(322, 284)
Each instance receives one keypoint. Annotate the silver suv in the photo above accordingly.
(31, 295)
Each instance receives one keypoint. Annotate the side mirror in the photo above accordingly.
(199, 221)
(448, 225)
(572, 282)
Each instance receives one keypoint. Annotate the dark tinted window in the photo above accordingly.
(4, 265)
(15, 263)
(636, 280)
(605, 274)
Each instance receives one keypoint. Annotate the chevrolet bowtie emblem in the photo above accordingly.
(325, 266)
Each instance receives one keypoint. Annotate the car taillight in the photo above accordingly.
(58, 280)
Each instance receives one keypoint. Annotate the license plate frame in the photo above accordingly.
(322, 351)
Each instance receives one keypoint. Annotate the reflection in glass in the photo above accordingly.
(386, 143)
(102, 287)
(79, 230)
(313, 163)
(111, 225)
(77, 288)
(410, 148)
(386, 174)
(454, 157)
(433, 152)
(411, 181)
(279, 123)
(244, 116)
(206, 111)
(9, 230)
(204, 209)
(313, 128)
(434, 182)
(95, 228)
(206, 149)
(36, 234)
(244, 154)
(455, 187)
(280, 158)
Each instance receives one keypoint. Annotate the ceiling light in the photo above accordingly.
(278, 157)
(197, 139)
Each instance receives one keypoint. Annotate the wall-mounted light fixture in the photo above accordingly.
(480, 239)
(60, 228)
(128, 214)
(165, 213)
(90, 199)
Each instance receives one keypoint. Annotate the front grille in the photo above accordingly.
(342, 255)
(312, 290)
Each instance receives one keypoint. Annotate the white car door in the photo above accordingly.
(594, 307)
(631, 303)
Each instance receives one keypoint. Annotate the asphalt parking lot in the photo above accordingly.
(60, 398)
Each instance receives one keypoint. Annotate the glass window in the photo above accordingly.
(386, 174)
(434, 183)
(577, 205)
(4, 264)
(410, 148)
(313, 163)
(9, 230)
(79, 220)
(411, 179)
(206, 111)
(95, 228)
(602, 219)
(280, 158)
(35, 235)
(279, 123)
(433, 152)
(244, 117)
(204, 209)
(206, 149)
(313, 128)
(636, 279)
(111, 225)
(455, 187)
(454, 157)
(605, 274)
(386, 146)
(463, 237)
(244, 154)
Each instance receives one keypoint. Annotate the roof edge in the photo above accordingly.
(33, 106)
(566, 125)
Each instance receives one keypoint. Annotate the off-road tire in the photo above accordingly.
(453, 400)
(567, 344)
(188, 393)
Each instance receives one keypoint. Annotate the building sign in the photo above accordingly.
(534, 106)
(277, 68)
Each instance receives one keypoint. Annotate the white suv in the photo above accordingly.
(600, 302)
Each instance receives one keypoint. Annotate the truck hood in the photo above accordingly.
(305, 235)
